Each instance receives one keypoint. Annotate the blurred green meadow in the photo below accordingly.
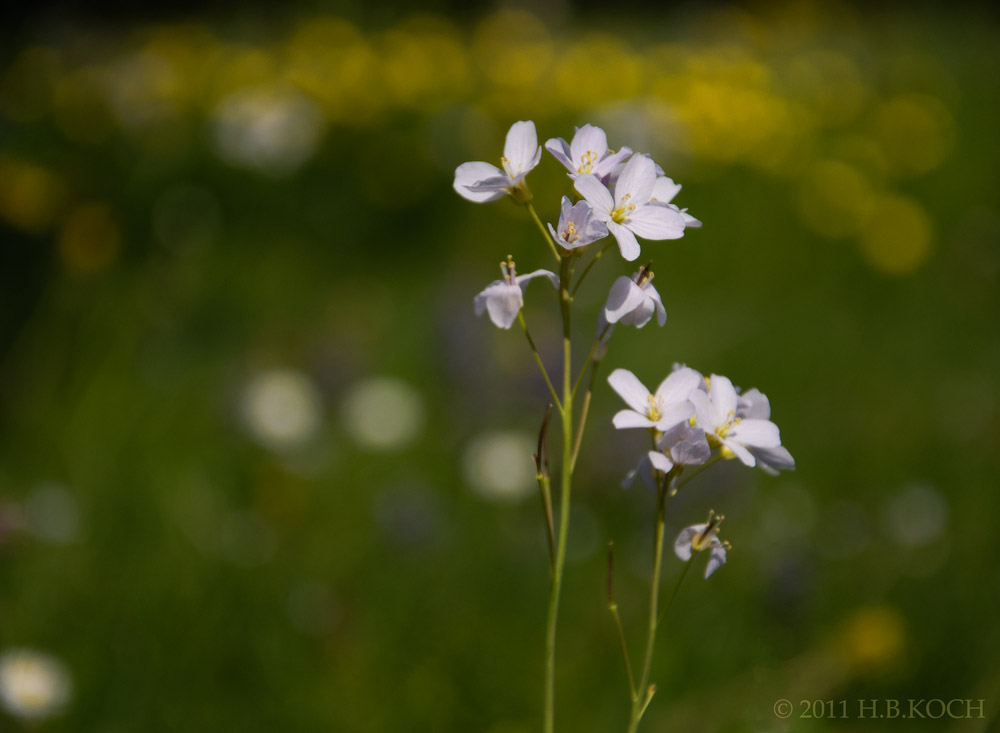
(262, 469)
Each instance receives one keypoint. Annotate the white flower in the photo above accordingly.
(503, 299)
(632, 301)
(754, 404)
(662, 410)
(629, 212)
(681, 445)
(577, 225)
(482, 182)
(664, 191)
(692, 540)
(715, 412)
(33, 685)
(588, 153)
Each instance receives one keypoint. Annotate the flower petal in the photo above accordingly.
(625, 296)
(605, 167)
(587, 141)
(559, 149)
(659, 461)
(522, 280)
(521, 147)
(753, 403)
(627, 243)
(706, 412)
(469, 174)
(626, 419)
(745, 456)
(636, 181)
(656, 222)
(756, 433)
(716, 558)
(630, 389)
(502, 301)
(723, 395)
(682, 545)
(678, 385)
(673, 414)
(595, 192)
(664, 190)
(773, 460)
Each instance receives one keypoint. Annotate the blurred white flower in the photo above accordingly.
(51, 513)
(33, 685)
(382, 413)
(481, 182)
(282, 409)
(499, 465)
(503, 299)
(271, 129)
(754, 404)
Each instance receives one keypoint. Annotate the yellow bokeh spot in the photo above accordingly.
(30, 196)
(873, 638)
(90, 238)
(81, 105)
(915, 131)
(601, 64)
(513, 48)
(897, 238)
(423, 60)
(835, 199)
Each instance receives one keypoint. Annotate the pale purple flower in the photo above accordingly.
(664, 191)
(577, 225)
(482, 182)
(662, 410)
(588, 153)
(629, 212)
(715, 413)
(503, 299)
(692, 540)
(681, 445)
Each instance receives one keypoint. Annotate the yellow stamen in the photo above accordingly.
(587, 161)
(570, 235)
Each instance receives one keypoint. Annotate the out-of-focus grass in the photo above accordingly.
(211, 544)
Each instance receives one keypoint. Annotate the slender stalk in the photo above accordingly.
(590, 264)
(613, 608)
(544, 231)
(677, 587)
(590, 356)
(583, 412)
(541, 365)
(640, 703)
(565, 300)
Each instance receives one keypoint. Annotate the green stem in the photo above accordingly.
(544, 231)
(541, 365)
(644, 693)
(583, 412)
(590, 264)
(590, 357)
(565, 300)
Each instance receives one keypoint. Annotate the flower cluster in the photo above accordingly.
(694, 421)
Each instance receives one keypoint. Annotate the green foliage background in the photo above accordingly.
(845, 166)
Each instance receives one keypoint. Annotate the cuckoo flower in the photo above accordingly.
(588, 153)
(715, 413)
(503, 299)
(664, 191)
(754, 404)
(692, 540)
(482, 182)
(681, 445)
(577, 225)
(662, 410)
(629, 212)
(632, 301)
